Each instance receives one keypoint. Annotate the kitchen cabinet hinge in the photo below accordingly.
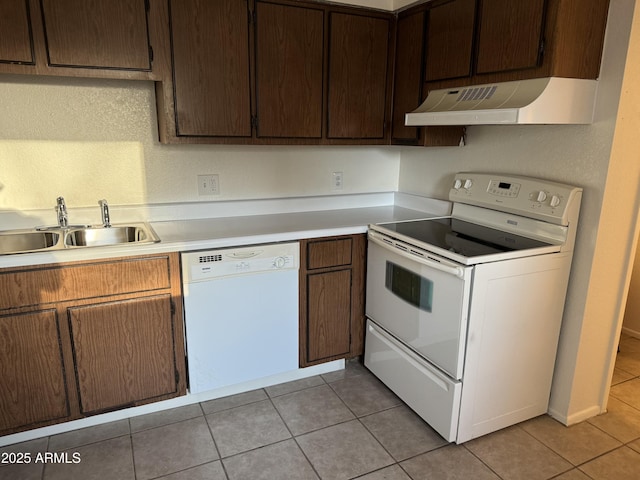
(177, 377)
(253, 16)
(173, 307)
(150, 53)
(254, 122)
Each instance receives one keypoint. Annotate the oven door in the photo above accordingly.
(420, 299)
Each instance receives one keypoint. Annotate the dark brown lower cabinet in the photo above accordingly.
(328, 314)
(123, 352)
(34, 388)
(332, 272)
(83, 338)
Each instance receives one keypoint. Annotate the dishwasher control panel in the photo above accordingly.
(210, 264)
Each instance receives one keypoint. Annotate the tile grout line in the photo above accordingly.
(133, 454)
(483, 462)
(355, 417)
(331, 384)
(577, 466)
(294, 438)
(213, 439)
(359, 419)
(45, 465)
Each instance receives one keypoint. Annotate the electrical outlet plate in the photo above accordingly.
(336, 180)
(208, 184)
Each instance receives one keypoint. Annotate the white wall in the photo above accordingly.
(93, 139)
(573, 154)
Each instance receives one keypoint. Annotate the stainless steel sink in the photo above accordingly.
(27, 241)
(59, 238)
(115, 235)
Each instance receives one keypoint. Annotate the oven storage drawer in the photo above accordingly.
(431, 394)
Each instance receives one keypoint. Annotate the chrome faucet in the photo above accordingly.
(61, 209)
(104, 210)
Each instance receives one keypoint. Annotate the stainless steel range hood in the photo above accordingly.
(552, 100)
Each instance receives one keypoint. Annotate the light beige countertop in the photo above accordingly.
(237, 230)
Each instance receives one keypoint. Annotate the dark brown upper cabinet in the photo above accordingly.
(289, 70)
(83, 38)
(449, 41)
(407, 89)
(358, 70)
(574, 37)
(276, 72)
(301, 71)
(16, 39)
(484, 41)
(408, 84)
(469, 37)
(510, 35)
(210, 51)
(97, 33)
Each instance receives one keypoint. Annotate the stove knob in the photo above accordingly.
(555, 201)
(541, 197)
(468, 183)
(457, 184)
(280, 262)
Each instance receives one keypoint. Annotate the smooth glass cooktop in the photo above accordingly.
(463, 238)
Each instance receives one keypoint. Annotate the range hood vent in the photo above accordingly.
(552, 100)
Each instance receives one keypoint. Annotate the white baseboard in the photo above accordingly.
(576, 417)
(630, 332)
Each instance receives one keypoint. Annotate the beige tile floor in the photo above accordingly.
(340, 426)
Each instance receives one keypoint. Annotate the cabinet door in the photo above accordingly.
(510, 35)
(210, 42)
(332, 271)
(97, 33)
(407, 86)
(124, 352)
(450, 31)
(31, 367)
(289, 73)
(329, 314)
(358, 53)
(16, 40)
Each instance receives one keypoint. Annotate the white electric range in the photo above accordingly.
(464, 312)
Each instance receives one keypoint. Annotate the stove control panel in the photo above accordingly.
(526, 196)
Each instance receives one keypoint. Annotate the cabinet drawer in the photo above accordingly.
(49, 284)
(329, 253)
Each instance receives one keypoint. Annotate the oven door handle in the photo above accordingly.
(431, 263)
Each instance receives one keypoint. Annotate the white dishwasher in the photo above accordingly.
(241, 313)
